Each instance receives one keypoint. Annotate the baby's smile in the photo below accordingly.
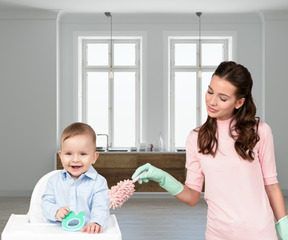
(76, 167)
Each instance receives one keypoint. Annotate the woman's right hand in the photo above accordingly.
(152, 173)
(164, 179)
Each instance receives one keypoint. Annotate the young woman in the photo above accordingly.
(233, 150)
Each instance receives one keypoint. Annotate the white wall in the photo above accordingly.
(261, 45)
(27, 98)
(28, 81)
(247, 28)
(275, 31)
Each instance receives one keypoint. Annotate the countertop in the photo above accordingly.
(140, 152)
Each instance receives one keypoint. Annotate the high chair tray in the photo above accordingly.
(19, 228)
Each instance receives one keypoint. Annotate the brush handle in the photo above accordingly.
(137, 178)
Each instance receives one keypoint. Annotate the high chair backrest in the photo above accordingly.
(35, 210)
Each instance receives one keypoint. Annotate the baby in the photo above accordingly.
(78, 187)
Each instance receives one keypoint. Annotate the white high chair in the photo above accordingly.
(33, 225)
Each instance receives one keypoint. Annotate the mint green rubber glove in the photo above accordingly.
(164, 179)
(282, 228)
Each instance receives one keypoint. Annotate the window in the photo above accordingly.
(187, 108)
(112, 106)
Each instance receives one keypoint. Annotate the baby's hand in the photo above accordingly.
(62, 212)
(92, 228)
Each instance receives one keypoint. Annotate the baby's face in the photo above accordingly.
(78, 154)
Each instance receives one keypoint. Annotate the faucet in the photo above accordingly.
(107, 139)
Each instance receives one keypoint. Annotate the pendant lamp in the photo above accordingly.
(200, 47)
(111, 75)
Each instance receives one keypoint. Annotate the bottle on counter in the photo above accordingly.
(160, 142)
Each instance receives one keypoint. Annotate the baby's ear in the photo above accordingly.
(60, 154)
(96, 155)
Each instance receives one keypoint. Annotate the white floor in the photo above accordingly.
(141, 218)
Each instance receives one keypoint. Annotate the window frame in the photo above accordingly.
(226, 40)
(82, 80)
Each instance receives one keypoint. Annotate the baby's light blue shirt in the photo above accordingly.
(89, 193)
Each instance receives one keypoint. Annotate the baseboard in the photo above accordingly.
(162, 195)
(151, 195)
(168, 195)
(27, 193)
(18, 193)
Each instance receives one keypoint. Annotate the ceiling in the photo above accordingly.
(150, 6)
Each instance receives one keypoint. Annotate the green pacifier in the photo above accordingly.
(72, 222)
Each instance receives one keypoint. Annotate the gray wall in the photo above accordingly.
(27, 98)
(247, 29)
(29, 89)
(275, 32)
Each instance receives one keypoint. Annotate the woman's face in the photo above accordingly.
(221, 99)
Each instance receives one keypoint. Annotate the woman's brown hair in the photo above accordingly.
(244, 132)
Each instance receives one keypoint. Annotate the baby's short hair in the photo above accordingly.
(78, 128)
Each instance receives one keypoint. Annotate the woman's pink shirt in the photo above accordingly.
(238, 206)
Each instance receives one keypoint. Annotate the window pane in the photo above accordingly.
(97, 54)
(185, 54)
(212, 54)
(206, 78)
(185, 106)
(124, 54)
(97, 104)
(124, 109)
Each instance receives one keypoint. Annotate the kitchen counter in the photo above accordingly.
(135, 152)
(117, 166)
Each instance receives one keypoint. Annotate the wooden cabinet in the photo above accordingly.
(120, 166)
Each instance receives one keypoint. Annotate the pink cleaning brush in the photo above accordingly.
(122, 191)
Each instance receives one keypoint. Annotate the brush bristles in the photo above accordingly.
(121, 193)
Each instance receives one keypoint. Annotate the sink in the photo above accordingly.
(117, 150)
(112, 150)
